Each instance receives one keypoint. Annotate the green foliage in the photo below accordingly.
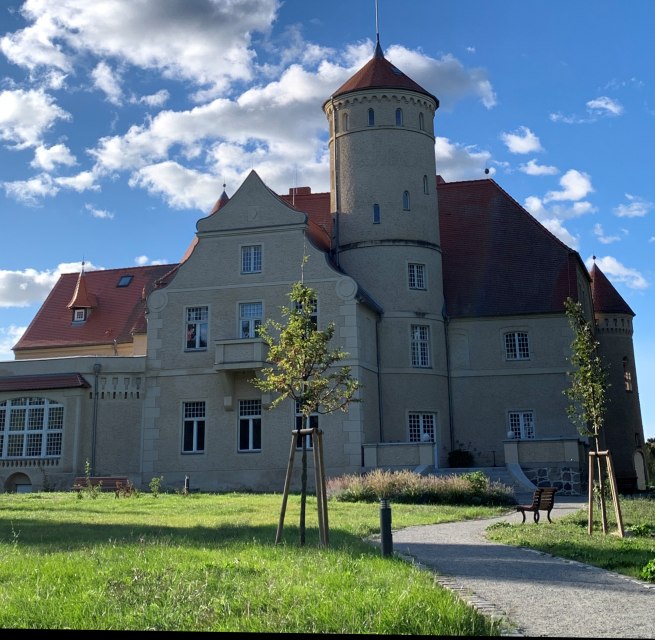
(302, 362)
(90, 490)
(588, 390)
(648, 571)
(412, 488)
(650, 459)
(155, 485)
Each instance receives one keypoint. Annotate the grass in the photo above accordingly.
(568, 537)
(208, 562)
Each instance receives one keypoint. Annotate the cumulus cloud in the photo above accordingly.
(26, 115)
(102, 214)
(619, 273)
(551, 218)
(605, 106)
(47, 158)
(575, 186)
(604, 239)
(9, 336)
(533, 168)
(108, 81)
(32, 191)
(521, 141)
(636, 207)
(458, 162)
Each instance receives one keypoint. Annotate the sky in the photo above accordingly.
(121, 120)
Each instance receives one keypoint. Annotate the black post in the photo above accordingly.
(385, 528)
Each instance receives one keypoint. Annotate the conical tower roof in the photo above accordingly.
(379, 73)
(606, 298)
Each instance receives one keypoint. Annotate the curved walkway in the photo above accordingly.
(533, 593)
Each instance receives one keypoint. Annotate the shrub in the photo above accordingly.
(412, 488)
(155, 485)
(648, 571)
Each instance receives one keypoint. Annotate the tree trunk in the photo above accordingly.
(303, 483)
(601, 487)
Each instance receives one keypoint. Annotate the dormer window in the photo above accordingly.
(79, 315)
(124, 281)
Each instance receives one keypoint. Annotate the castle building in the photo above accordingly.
(447, 297)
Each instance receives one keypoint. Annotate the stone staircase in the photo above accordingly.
(521, 486)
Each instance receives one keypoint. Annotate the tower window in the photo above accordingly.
(399, 117)
(426, 189)
(627, 376)
(376, 214)
(344, 122)
(421, 122)
(405, 200)
(371, 118)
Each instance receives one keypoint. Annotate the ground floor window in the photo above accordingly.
(31, 428)
(193, 436)
(421, 427)
(250, 425)
(521, 424)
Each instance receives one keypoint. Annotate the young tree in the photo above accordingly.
(588, 395)
(303, 370)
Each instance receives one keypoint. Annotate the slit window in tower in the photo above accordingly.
(344, 122)
(425, 185)
(399, 117)
(405, 200)
(627, 376)
(376, 214)
(421, 121)
(371, 118)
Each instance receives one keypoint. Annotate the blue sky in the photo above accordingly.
(120, 121)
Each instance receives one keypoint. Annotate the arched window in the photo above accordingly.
(425, 185)
(376, 214)
(399, 117)
(344, 122)
(371, 118)
(627, 376)
(405, 200)
(421, 121)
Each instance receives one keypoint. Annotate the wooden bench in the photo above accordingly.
(542, 500)
(105, 483)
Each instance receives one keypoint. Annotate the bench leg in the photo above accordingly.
(548, 514)
(536, 516)
(523, 514)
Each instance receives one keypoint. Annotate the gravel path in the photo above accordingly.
(533, 593)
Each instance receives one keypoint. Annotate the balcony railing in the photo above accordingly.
(240, 354)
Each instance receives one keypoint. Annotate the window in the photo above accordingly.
(421, 427)
(193, 436)
(313, 424)
(250, 425)
(416, 275)
(426, 189)
(250, 318)
(196, 328)
(79, 315)
(627, 376)
(31, 428)
(344, 122)
(521, 424)
(313, 312)
(516, 346)
(124, 281)
(376, 214)
(405, 200)
(421, 121)
(251, 259)
(399, 117)
(420, 345)
(371, 118)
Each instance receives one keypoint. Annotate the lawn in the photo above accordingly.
(208, 562)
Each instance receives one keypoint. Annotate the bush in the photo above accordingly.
(411, 488)
(459, 458)
(648, 572)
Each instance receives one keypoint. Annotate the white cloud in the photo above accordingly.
(9, 336)
(83, 181)
(32, 191)
(99, 213)
(600, 234)
(532, 168)
(549, 219)
(108, 81)
(521, 141)
(619, 273)
(605, 106)
(26, 115)
(575, 186)
(142, 261)
(47, 158)
(158, 99)
(636, 207)
(457, 162)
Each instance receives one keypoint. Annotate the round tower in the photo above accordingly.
(386, 235)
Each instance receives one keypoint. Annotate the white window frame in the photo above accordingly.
(249, 322)
(420, 346)
(516, 345)
(520, 423)
(196, 327)
(416, 276)
(79, 315)
(421, 426)
(251, 258)
(194, 423)
(250, 425)
(31, 427)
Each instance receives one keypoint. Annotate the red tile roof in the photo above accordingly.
(43, 381)
(82, 299)
(119, 312)
(317, 208)
(379, 73)
(606, 298)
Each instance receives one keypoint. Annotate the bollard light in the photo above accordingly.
(385, 528)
